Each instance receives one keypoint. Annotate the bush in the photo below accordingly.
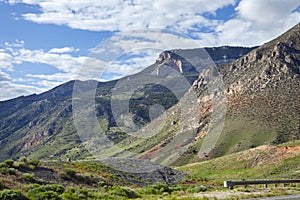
(72, 193)
(28, 177)
(196, 189)
(70, 172)
(34, 162)
(162, 188)
(39, 192)
(26, 164)
(83, 193)
(11, 195)
(6, 170)
(102, 183)
(9, 163)
(45, 195)
(119, 191)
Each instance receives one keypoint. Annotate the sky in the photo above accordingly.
(46, 43)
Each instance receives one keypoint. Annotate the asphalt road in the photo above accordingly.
(288, 197)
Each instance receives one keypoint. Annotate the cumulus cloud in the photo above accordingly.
(115, 15)
(11, 90)
(14, 54)
(253, 23)
(63, 62)
(264, 13)
(258, 22)
(16, 44)
(5, 60)
(4, 77)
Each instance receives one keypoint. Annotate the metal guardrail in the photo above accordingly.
(231, 184)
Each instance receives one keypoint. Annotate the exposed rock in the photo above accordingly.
(144, 170)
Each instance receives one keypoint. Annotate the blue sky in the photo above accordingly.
(46, 43)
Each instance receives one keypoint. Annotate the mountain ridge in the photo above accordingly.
(44, 128)
(262, 91)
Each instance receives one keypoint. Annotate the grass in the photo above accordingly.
(291, 143)
(233, 167)
(91, 180)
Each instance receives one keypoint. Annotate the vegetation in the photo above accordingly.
(262, 112)
(251, 164)
(11, 195)
(92, 180)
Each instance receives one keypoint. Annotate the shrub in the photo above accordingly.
(9, 163)
(70, 172)
(102, 183)
(26, 164)
(162, 188)
(34, 162)
(199, 188)
(28, 177)
(12, 171)
(83, 193)
(11, 195)
(6, 170)
(119, 191)
(39, 192)
(45, 195)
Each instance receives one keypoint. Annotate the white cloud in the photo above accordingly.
(4, 77)
(123, 15)
(63, 50)
(63, 62)
(16, 44)
(6, 61)
(15, 53)
(255, 22)
(49, 84)
(258, 22)
(264, 13)
(11, 90)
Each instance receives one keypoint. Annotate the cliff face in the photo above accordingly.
(179, 59)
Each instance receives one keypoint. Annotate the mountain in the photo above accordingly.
(243, 98)
(247, 103)
(41, 126)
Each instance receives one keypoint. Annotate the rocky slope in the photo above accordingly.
(253, 101)
(41, 126)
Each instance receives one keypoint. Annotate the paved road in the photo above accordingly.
(288, 197)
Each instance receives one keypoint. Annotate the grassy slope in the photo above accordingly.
(264, 162)
(81, 180)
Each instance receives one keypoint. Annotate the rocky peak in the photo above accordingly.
(170, 59)
(192, 61)
(268, 66)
